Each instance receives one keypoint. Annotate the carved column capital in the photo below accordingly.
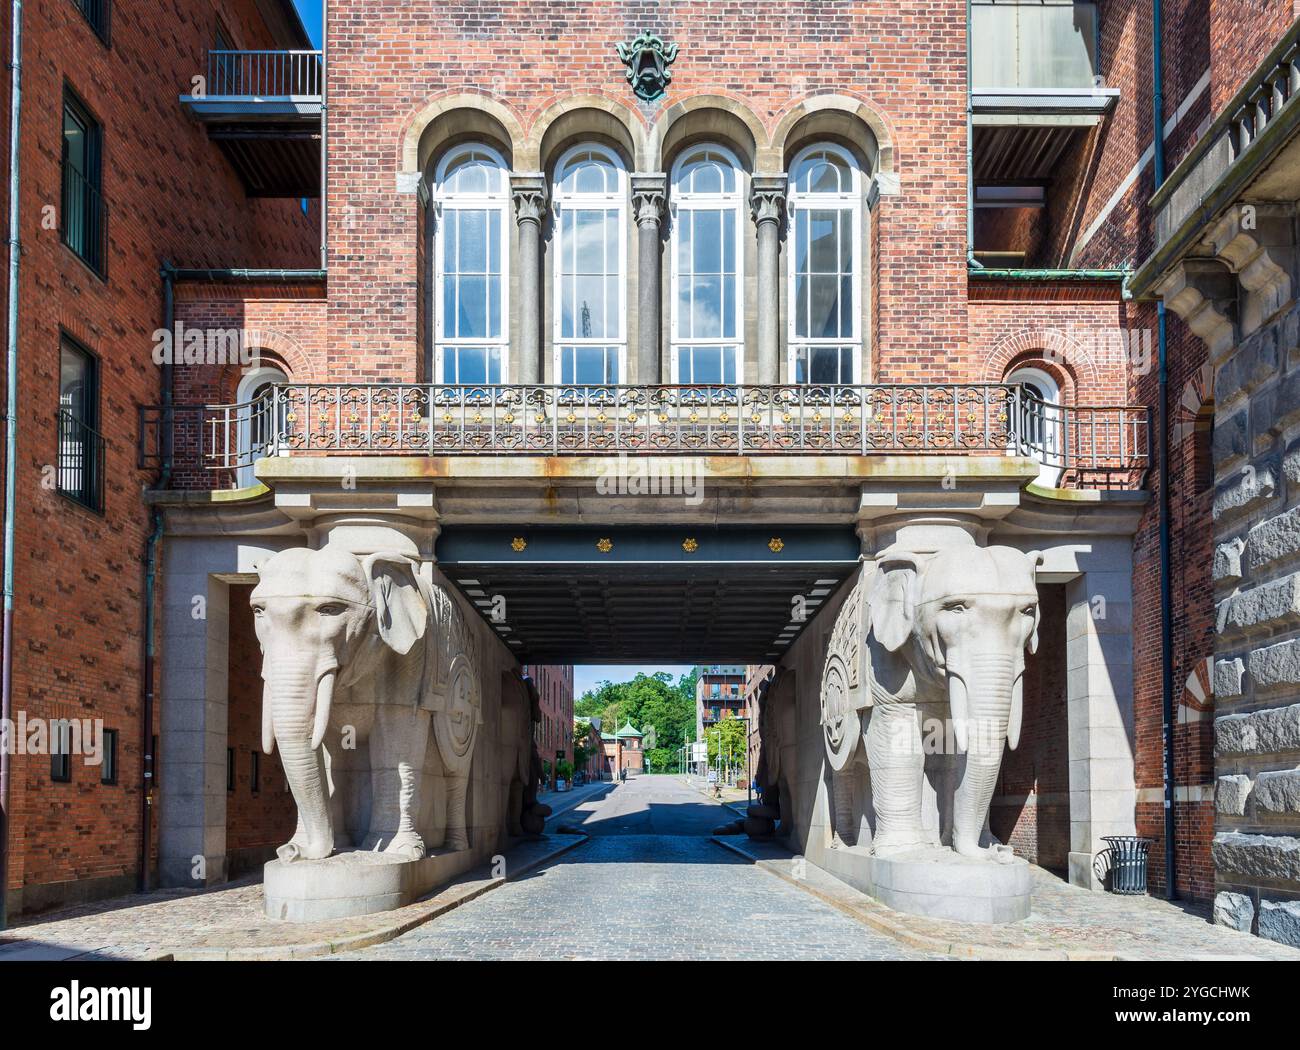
(649, 196)
(767, 198)
(528, 190)
(1257, 244)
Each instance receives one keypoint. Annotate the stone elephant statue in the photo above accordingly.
(370, 690)
(930, 641)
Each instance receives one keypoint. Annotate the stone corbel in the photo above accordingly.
(1257, 243)
(1203, 293)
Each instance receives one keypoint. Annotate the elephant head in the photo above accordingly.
(324, 618)
(962, 619)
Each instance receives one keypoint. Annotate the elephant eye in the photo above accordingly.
(258, 610)
(1029, 610)
(331, 609)
(957, 606)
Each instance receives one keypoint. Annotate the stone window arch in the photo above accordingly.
(256, 418)
(1041, 426)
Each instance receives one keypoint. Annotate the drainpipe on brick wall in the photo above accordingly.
(324, 122)
(11, 439)
(971, 261)
(151, 549)
(1162, 429)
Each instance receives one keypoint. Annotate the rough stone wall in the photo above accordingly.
(170, 194)
(1257, 651)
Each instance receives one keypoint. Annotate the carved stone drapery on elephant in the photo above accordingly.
(370, 682)
(776, 775)
(521, 710)
(928, 639)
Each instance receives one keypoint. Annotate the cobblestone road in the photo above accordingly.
(661, 890)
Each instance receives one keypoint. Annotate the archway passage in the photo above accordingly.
(664, 594)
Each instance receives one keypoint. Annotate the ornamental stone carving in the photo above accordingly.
(647, 59)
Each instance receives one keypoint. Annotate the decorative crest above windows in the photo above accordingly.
(647, 59)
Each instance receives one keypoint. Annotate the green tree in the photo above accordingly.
(727, 737)
(645, 701)
(661, 760)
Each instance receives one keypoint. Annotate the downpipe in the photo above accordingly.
(11, 436)
(1162, 428)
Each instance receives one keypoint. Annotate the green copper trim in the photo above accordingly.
(987, 273)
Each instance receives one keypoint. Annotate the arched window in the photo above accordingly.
(473, 198)
(257, 418)
(1041, 415)
(590, 329)
(825, 274)
(707, 268)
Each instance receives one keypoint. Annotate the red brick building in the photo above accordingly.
(976, 198)
(116, 180)
(554, 733)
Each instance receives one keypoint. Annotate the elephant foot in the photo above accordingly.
(889, 843)
(294, 851)
(406, 844)
(457, 839)
(997, 852)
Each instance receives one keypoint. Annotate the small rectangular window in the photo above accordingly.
(84, 214)
(256, 771)
(81, 447)
(230, 769)
(108, 767)
(60, 752)
(96, 13)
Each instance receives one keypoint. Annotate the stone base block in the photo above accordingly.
(354, 883)
(937, 883)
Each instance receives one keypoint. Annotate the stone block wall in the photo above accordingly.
(1256, 571)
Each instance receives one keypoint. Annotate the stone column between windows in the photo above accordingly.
(649, 194)
(767, 205)
(529, 193)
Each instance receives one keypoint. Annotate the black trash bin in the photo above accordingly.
(1128, 863)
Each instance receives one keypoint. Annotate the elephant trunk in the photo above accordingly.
(981, 690)
(298, 700)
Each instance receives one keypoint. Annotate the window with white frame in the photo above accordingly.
(257, 416)
(473, 199)
(1040, 428)
(590, 331)
(707, 268)
(825, 273)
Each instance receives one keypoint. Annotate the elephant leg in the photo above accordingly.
(397, 749)
(337, 816)
(457, 793)
(897, 762)
(515, 808)
(842, 800)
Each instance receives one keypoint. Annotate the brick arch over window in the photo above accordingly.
(270, 349)
(853, 122)
(585, 118)
(449, 119)
(709, 118)
(1051, 350)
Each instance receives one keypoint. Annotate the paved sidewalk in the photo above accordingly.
(1067, 922)
(228, 923)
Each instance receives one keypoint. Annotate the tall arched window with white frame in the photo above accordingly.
(825, 272)
(590, 277)
(473, 200)
(707, 268)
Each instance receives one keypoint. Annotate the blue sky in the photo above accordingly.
(310, 11)
(587, 676)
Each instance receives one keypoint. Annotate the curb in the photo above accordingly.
(898, 930)
(370, 937)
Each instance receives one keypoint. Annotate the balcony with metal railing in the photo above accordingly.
(216, 446)
(80, 471)
(1248, 148)
(263, 108)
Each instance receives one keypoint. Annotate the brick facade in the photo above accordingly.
(170, 195)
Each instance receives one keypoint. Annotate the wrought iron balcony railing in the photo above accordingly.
(1083, 446)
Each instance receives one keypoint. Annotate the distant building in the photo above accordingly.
(597, 766)
(554, 733)
(719, 694)
(623, 750)
(755, 676)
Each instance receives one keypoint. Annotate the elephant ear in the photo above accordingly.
(1036, 560)
(401, 612)
(893, 599)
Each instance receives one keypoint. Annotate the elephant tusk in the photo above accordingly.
(324, 698)
(268, 723)
(957, 702)
(1016, 714)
